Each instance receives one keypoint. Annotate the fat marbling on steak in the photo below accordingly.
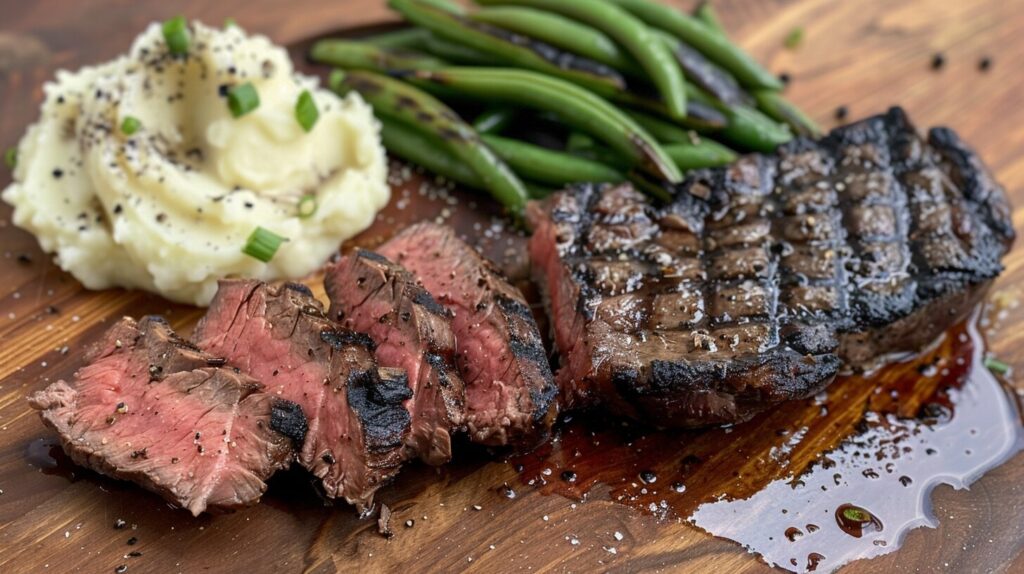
(762, 278)
(152, 408)
(510, 391)
(410, 331)
(282, 336)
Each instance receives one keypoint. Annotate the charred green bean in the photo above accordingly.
(416, 147)
(577, 107)
(405, 103)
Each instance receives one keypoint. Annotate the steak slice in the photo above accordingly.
(151, 408)
(510, 392)
(411, 331)
(357, 421)
(761, 278)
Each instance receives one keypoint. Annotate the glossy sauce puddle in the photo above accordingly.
(811, 485)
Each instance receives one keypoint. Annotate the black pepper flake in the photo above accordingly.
(938, 61)
(135, 554)
(785, 78)
(51, 310)
(985, 64)
(222, 90)
(118, 209)
(133, 541)
(24, 258)
(161, 217)
(58, 173)
(328, 458)
(842, 112)
(248, 205)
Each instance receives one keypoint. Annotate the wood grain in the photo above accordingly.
(865, 55)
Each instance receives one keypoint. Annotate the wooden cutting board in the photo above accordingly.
(864, 55)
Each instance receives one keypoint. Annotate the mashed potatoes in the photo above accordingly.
(168, 206)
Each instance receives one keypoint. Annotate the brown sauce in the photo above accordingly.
(814, 484)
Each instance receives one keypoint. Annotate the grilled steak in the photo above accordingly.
(510, 393)
(151, 408)
(357, 421)
(763, 277)
(410, 331)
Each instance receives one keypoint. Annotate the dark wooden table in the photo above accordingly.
(863, 55)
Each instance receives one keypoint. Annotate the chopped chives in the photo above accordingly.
(307, 206)
(243, 99)
(305, 111)
(793, 39)
(263, 244)
(176, 35)
(130, 125)
(996, 366)
(11, 157)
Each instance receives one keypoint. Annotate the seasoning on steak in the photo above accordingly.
(151, 408)
(510, 393)
(411, 331)
(281, 335)
(763, 277)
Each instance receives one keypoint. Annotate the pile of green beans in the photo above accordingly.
(635, 91)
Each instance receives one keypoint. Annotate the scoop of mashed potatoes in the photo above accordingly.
(138, 175)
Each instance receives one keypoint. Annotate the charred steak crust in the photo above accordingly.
(356, 417)
(762, 278)
(411, 331)
(149, 408)
(510, 392)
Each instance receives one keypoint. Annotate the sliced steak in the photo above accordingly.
(357, 421)
(151, 408)
(510, 393)
(763, 277)
(410, 331)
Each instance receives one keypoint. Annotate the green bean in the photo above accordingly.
(663, 131)
(706, 74)
(510, 48)
(780, 109)
(416, 147)
(716, 47)
(365, 56)
(578, 141)
(577, 107)
(405, 103)
(537, 191)
(703, 153)
(543, 165)
(707, 14)
(558, 31)
(494, 121)
(654, 57)
(745, 127)
(752, 130)
(405, 39)
(447, 6)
